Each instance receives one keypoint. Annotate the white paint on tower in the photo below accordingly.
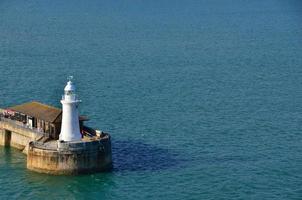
(70, 129)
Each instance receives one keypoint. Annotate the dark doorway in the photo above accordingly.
(7, 137)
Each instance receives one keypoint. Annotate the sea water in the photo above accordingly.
(203, 99)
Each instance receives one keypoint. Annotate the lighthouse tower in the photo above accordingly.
(70, 129)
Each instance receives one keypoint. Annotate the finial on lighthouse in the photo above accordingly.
(70, 129)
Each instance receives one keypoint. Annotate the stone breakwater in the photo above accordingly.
(70, 157)
(91, 154)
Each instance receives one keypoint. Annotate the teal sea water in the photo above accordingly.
(203, 99)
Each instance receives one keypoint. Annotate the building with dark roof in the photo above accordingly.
(44, 118)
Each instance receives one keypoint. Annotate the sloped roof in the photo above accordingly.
(38, 110)
(42, 111)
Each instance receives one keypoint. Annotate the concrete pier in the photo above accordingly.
(5, 137)
(89, 155)
(70, 157)
(34, 128)
(16, 135)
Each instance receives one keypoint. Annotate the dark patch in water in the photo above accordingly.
(138, 156)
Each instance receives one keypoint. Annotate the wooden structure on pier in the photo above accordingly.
(44, 118)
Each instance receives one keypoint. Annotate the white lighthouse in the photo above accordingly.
(70, 129)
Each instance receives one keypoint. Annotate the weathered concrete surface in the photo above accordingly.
(5, 137)
(16, 136)
(71, 157)
(2, 138)
(86, 156)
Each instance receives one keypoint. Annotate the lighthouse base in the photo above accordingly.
(68, 158)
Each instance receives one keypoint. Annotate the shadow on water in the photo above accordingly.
(138, 156)
(127, 155)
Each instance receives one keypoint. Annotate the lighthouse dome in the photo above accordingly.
(70, 87)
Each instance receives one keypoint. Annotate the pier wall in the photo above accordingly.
(58, 158)
(71, 158)
(15, 135)
(5, 137)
